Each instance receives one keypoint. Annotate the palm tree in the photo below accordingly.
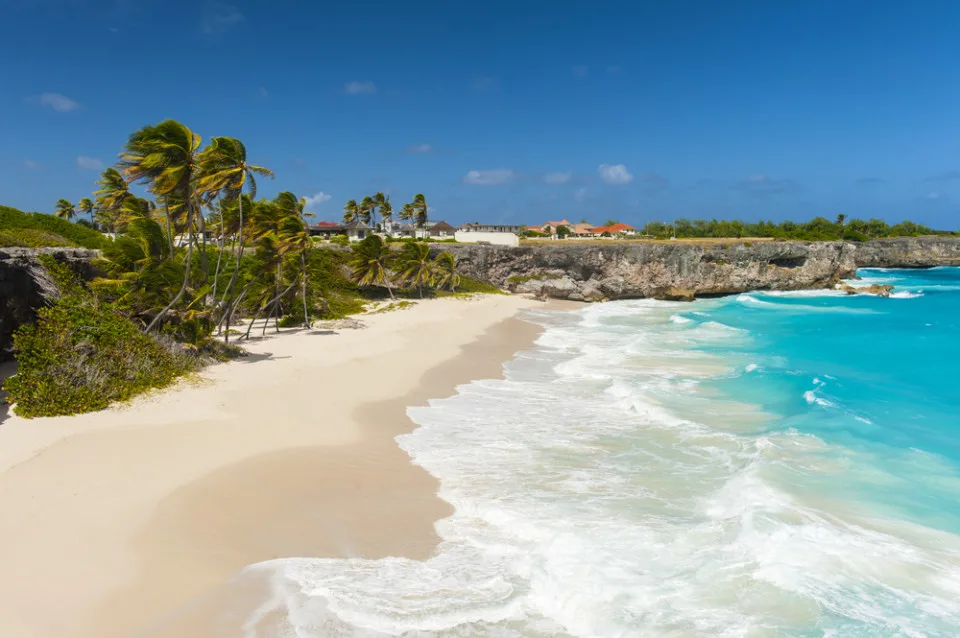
(416, 266)
(112, 192)
(226, 172)
(366, 209)
(840, 219)
(445, 268)
(65, 209)
(386, 212)
(371, 263)
(296, 237)
(86, 205)
(165, 157)
(408, 212)
(379, 202)
(420, 209)
(351, 212)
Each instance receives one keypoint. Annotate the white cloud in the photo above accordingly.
(30, 164)
(580, 70)
(359, 88)
(580, 195)
(317, 199)
(615, 174)
(934, 196)
(558, 178)
(220, 16)
(489, 178)
(89, 163)
(421, 148)
(56, 101)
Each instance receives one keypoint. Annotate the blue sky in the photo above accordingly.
(520, 110)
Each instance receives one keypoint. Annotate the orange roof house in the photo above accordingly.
(614, 229)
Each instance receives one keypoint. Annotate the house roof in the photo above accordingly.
(357, 225)
(327, 225)
(441, 225)
(612, 228)
(554, 225)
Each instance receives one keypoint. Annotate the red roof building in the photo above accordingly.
(614, 229)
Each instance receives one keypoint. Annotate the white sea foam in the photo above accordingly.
(680, 319)
(906, 294)
(586, 504)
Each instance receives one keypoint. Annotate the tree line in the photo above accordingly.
(817, 229)
(370, 206)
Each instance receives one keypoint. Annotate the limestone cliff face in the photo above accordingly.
(25, 285)
(909, 252)
(597, 271)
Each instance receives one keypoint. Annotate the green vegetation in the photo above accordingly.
(818, 229)
(84, 354)
(24, 229)
(375, 267)
(196, 256)
(369, 207)
(471, 286)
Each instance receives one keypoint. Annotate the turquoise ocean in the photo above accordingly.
(768, 464)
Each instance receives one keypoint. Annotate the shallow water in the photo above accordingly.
(769, 464)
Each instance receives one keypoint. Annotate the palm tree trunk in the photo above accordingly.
(236, 270)
(303, 273)
(166, 206)
(223, 243)
(183, 286)
(204, 263)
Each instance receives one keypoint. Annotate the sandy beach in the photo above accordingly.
(115, 522)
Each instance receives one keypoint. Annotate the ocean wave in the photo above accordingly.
(599, 490)
(906, 294)
(753, 301)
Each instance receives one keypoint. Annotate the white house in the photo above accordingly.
(498, 234)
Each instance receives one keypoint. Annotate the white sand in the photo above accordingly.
(109, 520)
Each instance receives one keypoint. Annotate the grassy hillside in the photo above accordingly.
(36, 230)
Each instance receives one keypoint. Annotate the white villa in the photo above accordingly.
(499, 234)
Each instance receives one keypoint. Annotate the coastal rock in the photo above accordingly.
(872, 289)
(600, 271)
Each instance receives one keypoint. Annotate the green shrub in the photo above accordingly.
(471, 285)
(83, 355)
(30, 238)
(748, 244)
(340, 240)
(11, 218)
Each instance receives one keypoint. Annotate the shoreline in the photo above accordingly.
(121, 518)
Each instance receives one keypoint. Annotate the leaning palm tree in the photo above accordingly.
(112, 192)
(296, 238)
(445, 270)
(417, 269)
(226, 172)
(386, 213)
(408, 212)
(165, 157)
(379, 202)
(351, 212)
(86, 205)
(366, 209)
(371, 263)
(65, 209)
(420, 208)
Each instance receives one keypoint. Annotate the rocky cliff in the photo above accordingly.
(25, 285)
(596, 271)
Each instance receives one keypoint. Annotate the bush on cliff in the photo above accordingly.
(14, 220)
(30, 238)
(83, 354)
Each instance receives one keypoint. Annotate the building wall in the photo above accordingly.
(499, 239)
